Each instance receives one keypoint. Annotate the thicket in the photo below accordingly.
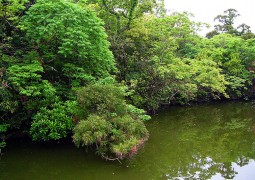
(88, 68)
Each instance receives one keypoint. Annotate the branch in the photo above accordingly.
(108, 9)
(111, 159)
(169, 101)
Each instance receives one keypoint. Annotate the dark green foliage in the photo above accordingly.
(10, 36)
(226, 25)
(227, 21)
(3, 129)
(106, 120)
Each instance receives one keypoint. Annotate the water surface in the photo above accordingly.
(215, 141)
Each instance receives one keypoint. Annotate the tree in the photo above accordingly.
(126, 11)
(243, 29)
(164, 63)
(73, 51)
(212, 34)
(226, 25)
(119, 17)
(107, 121)
(245, 32)
(234, 56)
(227, 21)
(70, 39)
(65, 46)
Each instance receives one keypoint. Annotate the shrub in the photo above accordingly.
(115, 127)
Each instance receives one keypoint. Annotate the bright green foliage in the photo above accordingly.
(235, 56)
(236, 85)
(70, 39)
(23, 90)
(107, 121)
(54, 122)
(61, 45)
(119, 17)
(77, 75)
(206, 74)
(25, 78)
(120, 14)
(10, 8)
(156, 76)
(186, 79)
(174, 33)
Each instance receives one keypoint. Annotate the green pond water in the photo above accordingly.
(215, 141)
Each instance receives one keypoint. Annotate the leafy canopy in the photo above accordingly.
(66, 33)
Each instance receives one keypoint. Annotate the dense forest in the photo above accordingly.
(94, 70)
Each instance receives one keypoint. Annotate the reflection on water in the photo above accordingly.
(242, 172)
(202, 142)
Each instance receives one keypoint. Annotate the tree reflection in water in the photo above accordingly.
(200, 142)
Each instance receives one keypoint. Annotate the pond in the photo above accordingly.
(215, 141)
